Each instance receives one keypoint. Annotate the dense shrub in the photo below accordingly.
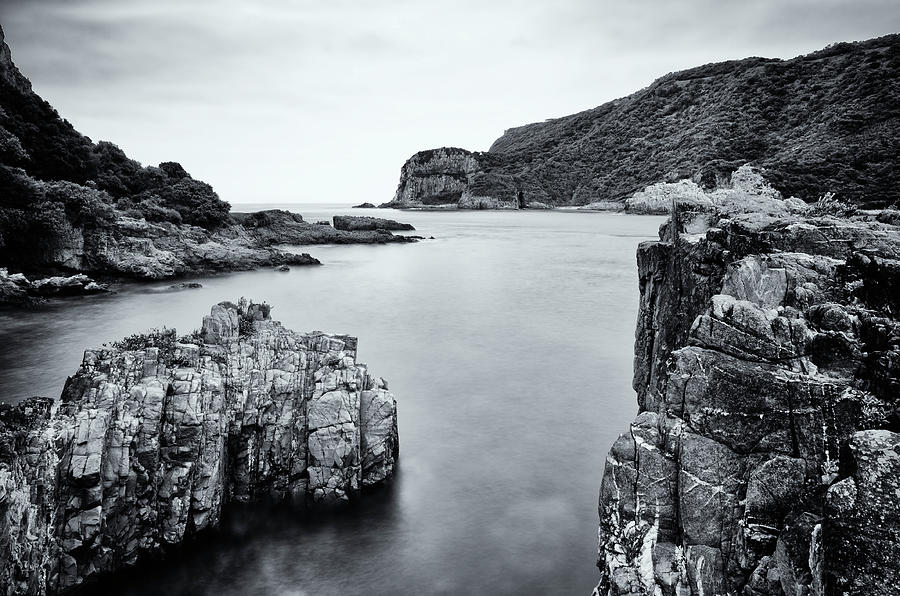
(164, 339)
(153, 211)
(54, 179)
(828, 204)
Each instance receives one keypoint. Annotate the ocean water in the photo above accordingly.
(508, 343)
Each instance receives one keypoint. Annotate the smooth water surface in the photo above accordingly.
(508, 343)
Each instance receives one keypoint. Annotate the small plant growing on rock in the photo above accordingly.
(829, 205)
(194, 337)
(164, 339)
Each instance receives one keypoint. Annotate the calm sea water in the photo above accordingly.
(508, 343)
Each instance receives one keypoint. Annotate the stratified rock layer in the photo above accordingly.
(149, 443)
(764, 459)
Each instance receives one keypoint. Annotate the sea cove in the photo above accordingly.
(507, 341)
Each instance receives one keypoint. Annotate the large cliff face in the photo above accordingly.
(765, 455)
(149, 443)
(827, 121)
(452, 177)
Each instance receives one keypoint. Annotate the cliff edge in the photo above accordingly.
(765, 458)
(155, 434)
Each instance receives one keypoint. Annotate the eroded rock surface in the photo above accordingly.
(149, 442)
(764, 459)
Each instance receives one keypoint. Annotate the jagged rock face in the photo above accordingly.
(8, 71)
(764, 458)
(451, 177)
(148, 445)
(438, 177)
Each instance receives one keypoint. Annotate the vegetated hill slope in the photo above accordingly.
(54, 180)
(827, 121)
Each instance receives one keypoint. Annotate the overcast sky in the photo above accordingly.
(323, 101)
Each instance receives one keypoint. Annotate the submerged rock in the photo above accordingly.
(764, 458)
(154, 435)
(186, 285)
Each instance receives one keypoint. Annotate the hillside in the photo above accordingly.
(70, 205)
(824, 122)
(54, 179)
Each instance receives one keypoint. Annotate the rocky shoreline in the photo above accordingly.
(764, 458)
(135, 249)
(75, 214)
(155, 434)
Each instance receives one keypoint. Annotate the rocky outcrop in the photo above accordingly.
(764, 457)
(350, 223)
(276, 226)
(16, 288)
(454, 178)
(154, 435)
(824, 122)
(747, 190)
(364, 206)
(135, 248)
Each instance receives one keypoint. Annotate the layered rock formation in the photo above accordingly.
(824, 122)
(765, 455)
(154, 436)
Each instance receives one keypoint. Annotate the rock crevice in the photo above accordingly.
(154, 435)
(766, 374)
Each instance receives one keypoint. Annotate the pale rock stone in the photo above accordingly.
(148, 446)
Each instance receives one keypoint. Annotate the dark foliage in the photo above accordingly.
(828, 121)
(54, 180)
(164, 339)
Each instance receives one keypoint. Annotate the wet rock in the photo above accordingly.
(282, 268)
(148, 445)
